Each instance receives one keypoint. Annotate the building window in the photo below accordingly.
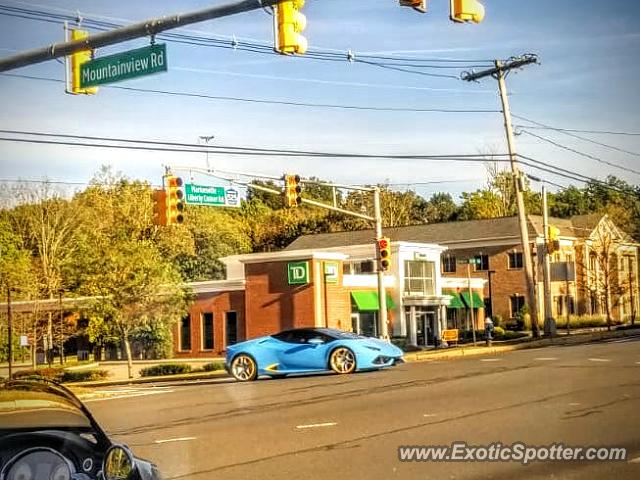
(207, 331)
(419, 277)
(482, 262)
(517, 303)
(231, 323)
(449, 264)
(360, 267)
(365, 323)
(185, 333)
(515, 260)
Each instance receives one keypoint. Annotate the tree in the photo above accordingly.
(439, 208)
(120, 264)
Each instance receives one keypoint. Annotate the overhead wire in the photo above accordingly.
(263, 101)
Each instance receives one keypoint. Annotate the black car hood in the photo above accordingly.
(27, 405)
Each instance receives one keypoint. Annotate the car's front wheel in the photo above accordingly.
(342, 360)
(244, 368)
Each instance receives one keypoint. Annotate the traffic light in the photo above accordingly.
(160, 207)
(288, 23)
(292, 191)
(77, 59)
(419, 5)
(384, 253)
(554, 239)
(175, 205)
(466, 11)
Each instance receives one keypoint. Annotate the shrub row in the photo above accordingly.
(213, 366)
(62, 376)
(165, 369)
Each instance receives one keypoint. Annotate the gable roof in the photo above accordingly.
(447, 233)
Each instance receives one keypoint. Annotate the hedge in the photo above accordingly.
(165, 369)
(62, 376)
(213, 366)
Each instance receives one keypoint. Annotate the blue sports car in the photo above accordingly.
(304, 350)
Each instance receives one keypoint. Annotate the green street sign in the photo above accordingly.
(124, 65)
(213, 196)
(298, 273)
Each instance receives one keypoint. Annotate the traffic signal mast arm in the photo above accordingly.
(137, 30)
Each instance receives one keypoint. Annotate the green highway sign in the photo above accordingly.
(213, 196)
(124, 65)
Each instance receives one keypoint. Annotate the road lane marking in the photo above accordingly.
(316, 425)
(429, 414)
(637, 363)
(575, 404)
(179, 439)
(546, 359)
(599, 360)
(126, 395)
(635, 460)
(490, 359)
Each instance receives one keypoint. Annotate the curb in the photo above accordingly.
(460, 352)
(144, 380)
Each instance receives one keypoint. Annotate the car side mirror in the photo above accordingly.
(119, 464)
(315, 341)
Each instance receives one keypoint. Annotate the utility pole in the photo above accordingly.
(472, 313)
(499, 72)
(10, 332)
(147, 28)
(549, 322)
(383, 331)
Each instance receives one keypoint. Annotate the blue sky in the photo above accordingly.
(587, 80)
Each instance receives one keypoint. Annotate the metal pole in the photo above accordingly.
(383, 330)
(145, 28)
(522, 219)
(472, 313)
(10, 332)
(549, 321)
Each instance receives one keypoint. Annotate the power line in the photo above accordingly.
(263, 101)
(586, 155)
(574, 130)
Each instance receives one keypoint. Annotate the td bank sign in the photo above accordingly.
(298, 273)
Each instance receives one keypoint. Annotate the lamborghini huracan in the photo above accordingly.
(306, 350)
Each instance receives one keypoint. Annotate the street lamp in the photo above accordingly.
(206, 139)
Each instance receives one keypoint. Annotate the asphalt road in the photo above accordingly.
(326, 426)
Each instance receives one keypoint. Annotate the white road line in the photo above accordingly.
(546, 359)
(316, 425)
(635, 460)
(180, 439)
(637, 363)
(599, 360)
(575, 404)
(429, 414)
(490, 359)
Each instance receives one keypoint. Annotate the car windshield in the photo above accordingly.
(25, 406)
(339, 334)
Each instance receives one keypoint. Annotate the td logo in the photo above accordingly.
(298, 273)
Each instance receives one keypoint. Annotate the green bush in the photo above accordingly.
(585, 321)
(48, 373)
(498, 332)
(213, 366)
(165, 369)
(84, 375)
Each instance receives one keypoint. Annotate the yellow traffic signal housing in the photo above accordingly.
(289, 22)
(553, 236)
(419, 5)
(174, 204)
(160, 207)
(467, 11)
(384, 253)
(292, 191)
(77, 59)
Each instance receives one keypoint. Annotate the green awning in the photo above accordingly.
(456, 301)
(367, 300)
(477, 301)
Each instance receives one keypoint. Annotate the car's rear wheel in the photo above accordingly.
(244, 368)
(342, 360)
